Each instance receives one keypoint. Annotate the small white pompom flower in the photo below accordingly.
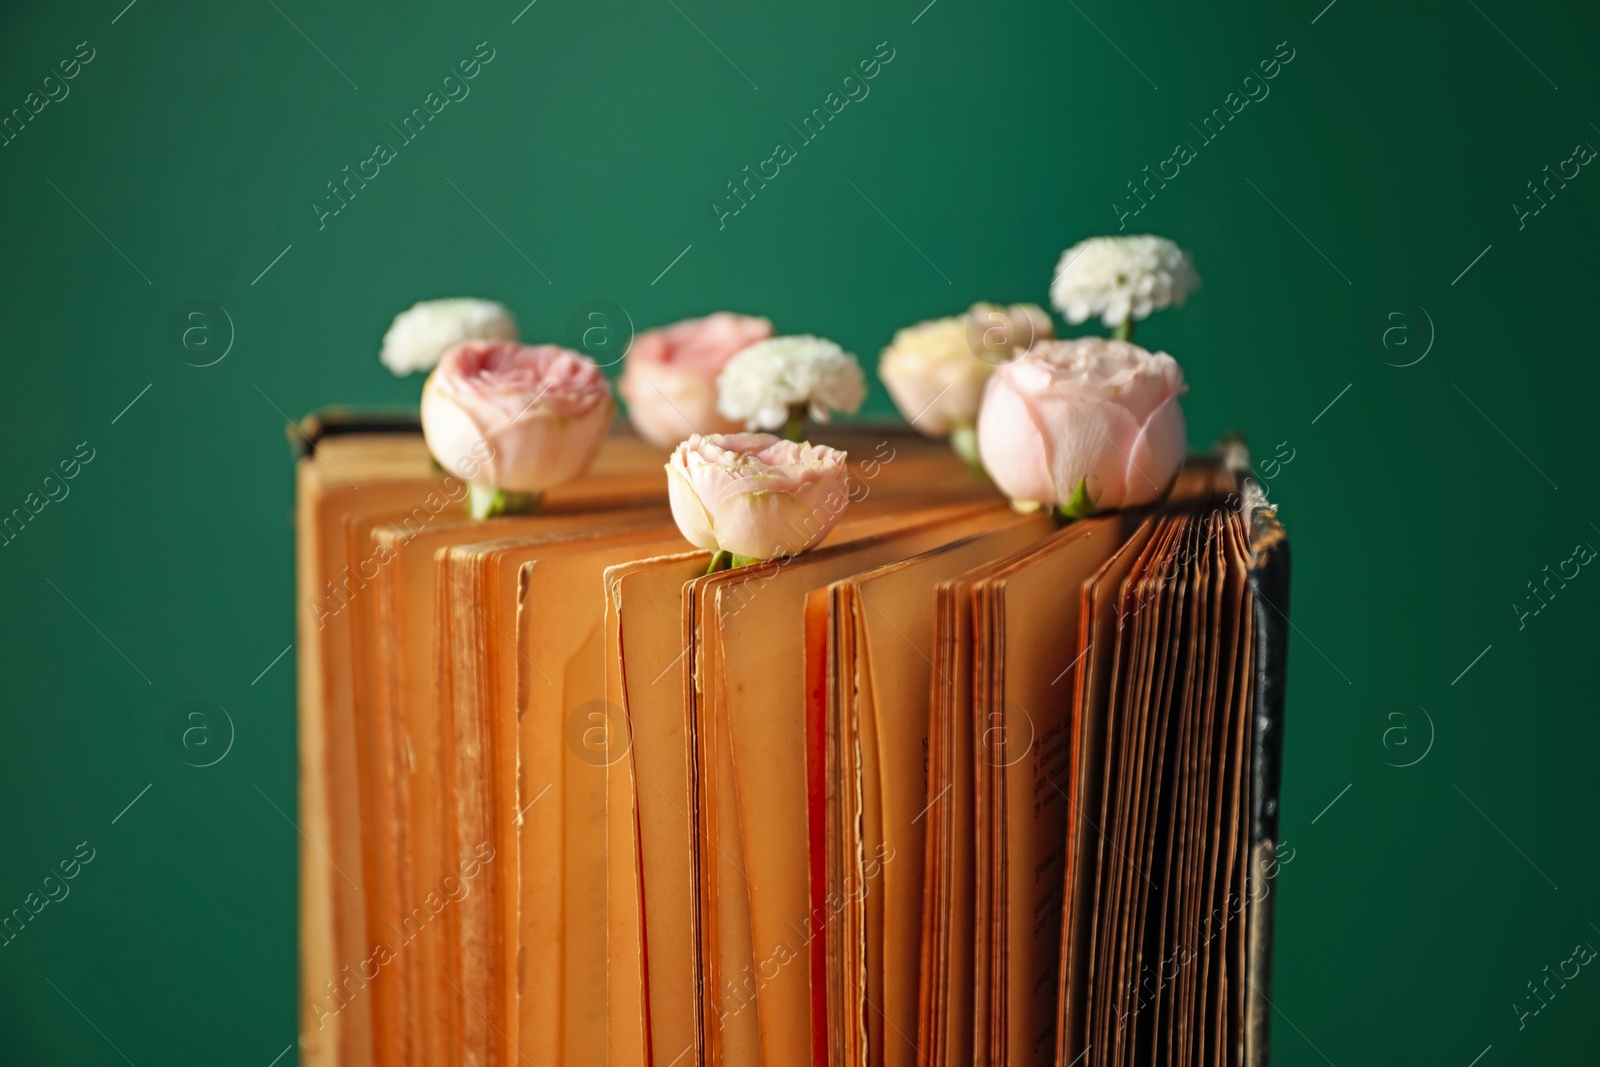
(421, 334)
(765, 384)
(1121, 277)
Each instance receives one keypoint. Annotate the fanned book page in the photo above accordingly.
(958, 785)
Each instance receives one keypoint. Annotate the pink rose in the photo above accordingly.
(1092, 411)
(755, 495)
(670, 379)
(514, 417)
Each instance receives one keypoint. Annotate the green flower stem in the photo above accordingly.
(1123, 331)
(964, 442)
(1079, 507)
(486, 503)
(795, 428)
(722, 559)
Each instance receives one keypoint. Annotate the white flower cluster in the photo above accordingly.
(1121, 277)
(421, 334)
(765, 382)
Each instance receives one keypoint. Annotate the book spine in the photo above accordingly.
(1269, 588)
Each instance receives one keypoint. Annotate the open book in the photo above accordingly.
(958, 786)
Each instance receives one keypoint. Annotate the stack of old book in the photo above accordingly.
(959, 786)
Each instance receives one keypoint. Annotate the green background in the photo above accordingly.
(1387, 157)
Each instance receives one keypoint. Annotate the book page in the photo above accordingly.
(1037, 607)
(892, 612)
(645, 616)
(756, 695)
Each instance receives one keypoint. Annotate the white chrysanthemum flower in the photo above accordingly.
(420, 335)
(1121, 277)
(765, 382)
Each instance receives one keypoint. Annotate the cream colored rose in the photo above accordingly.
(935, 371)
(755, 495)
(518, 418)
(1094, 412)
(670, 378)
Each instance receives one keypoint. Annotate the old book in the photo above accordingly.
(957, 786)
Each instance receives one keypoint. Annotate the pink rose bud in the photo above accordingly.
(512, 417)
(755, 494)
(670, 378)
(1091, 411)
